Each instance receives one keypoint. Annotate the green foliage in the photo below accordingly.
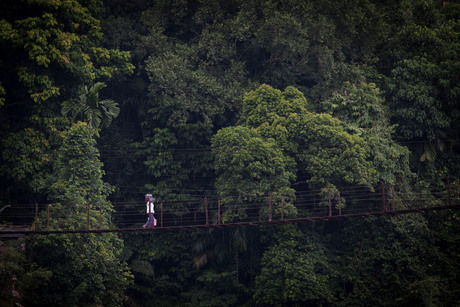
(209, 252)
(160, 277)
(415, 91)
(25, 153)
(294, 272)
(423, 94)
(86, 269)
(19, 276)
(327, 152)
(248, 165)
(404, 263)
(77, 166)
(97, 113)
(267, 105)
(331, 155)
(195, 60)
(28, 154)
(361, 105)
(52, 39)
(214, 289)
(362, 111)
(202, 56)
(423, 87)
(190, 100)
(280, 38)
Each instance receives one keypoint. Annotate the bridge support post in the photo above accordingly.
(206, 209)
(330, 207)
(36, 216)
(448, 191)
(87, 218)
(393, 197)
(161, 215)
(48, 217)
(269, 207)
(383, 198)
(340, 209)
(218, 211)
(282, 207)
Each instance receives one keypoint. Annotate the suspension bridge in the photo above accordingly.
(209, 212)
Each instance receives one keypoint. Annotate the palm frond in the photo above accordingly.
(429, 153)
(93, 117)
(87, 107)
(109, 110)
(111, 106)
(97, 87)
(239, 239)
(70, 106)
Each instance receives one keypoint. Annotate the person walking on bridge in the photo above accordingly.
(150, 210)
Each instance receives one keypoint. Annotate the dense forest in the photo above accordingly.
(102, 102)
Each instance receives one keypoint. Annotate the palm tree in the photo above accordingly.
(239, 243)
(87, 107)
(208, 249)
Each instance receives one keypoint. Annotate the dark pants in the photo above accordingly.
(151, 220)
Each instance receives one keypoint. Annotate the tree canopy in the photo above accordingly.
(244, 102)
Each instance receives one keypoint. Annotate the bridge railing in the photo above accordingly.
(207, 211)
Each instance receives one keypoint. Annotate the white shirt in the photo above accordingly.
(150, 207)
